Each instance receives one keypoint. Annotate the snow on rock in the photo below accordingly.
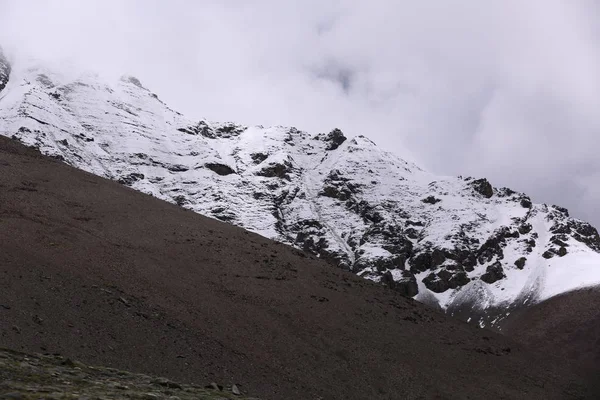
(456, 243)
(4, 70)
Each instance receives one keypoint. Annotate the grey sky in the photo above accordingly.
(506, 89)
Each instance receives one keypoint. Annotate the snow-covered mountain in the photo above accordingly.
(474, 250)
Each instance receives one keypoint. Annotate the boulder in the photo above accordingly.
(334, 139)
(483, 187)
(493, 273)
(526, 202)
(276, 170)
(548, 254)
(431, 200)
(435, 283)
(520, 263)
(420, 262)
(220, 169)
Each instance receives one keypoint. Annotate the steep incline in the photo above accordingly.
(459, 243)
(110, 276)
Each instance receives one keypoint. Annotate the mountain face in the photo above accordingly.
(457, 243)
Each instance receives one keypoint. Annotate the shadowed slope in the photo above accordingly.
(567, 325)
(110, 276)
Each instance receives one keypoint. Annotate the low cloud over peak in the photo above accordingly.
(508, 90)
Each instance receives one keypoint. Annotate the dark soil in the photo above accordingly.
(100, 273)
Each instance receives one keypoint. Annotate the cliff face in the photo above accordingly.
(458, 243)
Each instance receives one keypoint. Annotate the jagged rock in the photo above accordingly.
(189, 130)
(548, 254)
(220, 169)
(444, 280)
(396, 244)
(562, 251)
(5, 70)
(339, 187)
(342, 194)
(180, 200)
(345, 192)
(225, 131)
(525, 229)
(435, 283)
(258, 157)
(585, 233)
(505, 192)
(406, 286)
(420, 262)
(490, 249)
(334, 139)
(520, 263)
(276, 170)
(437, 257)
(494, 245)
(526, 202)
(556, 240)
(131, 178)
(414, 223)
(177, 168)
(431, 200)
(201, 128)
(412, 233)
(460, 278)
(562, 210)
(483, 187)
(493, 273)
(466, 259)
(530, 243)
(229, 130)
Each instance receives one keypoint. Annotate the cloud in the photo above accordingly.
(504, 89)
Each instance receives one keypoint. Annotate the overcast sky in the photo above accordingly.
(506, 89)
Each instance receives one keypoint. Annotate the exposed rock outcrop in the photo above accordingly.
(5, 70)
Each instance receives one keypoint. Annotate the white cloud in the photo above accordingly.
(504, 89)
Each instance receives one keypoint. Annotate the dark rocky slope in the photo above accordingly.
(104, 274)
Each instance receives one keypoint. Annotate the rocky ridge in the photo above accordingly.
(452, 242)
